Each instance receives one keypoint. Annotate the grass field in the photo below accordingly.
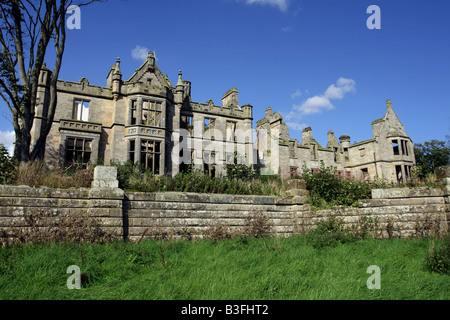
(238, 269)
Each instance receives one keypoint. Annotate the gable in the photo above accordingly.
(149, 74)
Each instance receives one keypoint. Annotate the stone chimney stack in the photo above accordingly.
(231, 98)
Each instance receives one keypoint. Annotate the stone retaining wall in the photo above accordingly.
(395, 212)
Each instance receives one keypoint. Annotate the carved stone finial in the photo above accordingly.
(117, 69)
(389, 104)
(180, 78)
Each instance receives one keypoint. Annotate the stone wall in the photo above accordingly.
(18, 202)
(397, 212)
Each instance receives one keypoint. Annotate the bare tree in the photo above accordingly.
(27, 28)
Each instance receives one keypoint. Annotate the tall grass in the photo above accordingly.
(258, 268)
(37, 173)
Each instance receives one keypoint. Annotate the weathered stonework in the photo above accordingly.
(105, 177)
(144, 119)
(398, 212)
(389, 155)
(149, 120)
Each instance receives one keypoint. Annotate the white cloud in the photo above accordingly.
(322, 102)
(296, 94)
(286, 29)
(315, 105)
(281, 4)
(140, 53)
(318, 103)
(342, 87)
(7, 138)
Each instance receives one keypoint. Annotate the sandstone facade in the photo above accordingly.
(148, 120)
(389, 155)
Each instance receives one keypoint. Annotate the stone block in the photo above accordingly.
(106, 193)
(105, 177)
(392, 193)
(297, 192)
(299, 199)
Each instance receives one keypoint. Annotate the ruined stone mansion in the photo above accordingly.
(148, 120)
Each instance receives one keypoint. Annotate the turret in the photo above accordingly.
(345, 141)
(116, 80)
(179, 89)
(248, 111)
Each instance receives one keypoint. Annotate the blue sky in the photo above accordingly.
(314, 61)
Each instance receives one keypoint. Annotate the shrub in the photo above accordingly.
(438, 258)
(329, 233)
(127, 172)
(8, 168)
(326, 188)
(134, 177)
(239, 171)
(218, 231)
(257, 225)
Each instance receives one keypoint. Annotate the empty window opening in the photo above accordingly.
(187, 123)
(405, 147)
(81, 110)
(78, 151)
(395, 147)
(365, 173)
(186, 166)
(229, 156)
(398, 173)
(294, 172)
(151, 114)
(132, 151)
(151, 155)
(209, 161)
(231, 131)
(133, 112)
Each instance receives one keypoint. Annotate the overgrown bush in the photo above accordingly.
(8, 168)
(438, 258)
(329, 233)
(133, 177)
(257, 225)
(239, 170)
(218, 231)
(327, 188)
